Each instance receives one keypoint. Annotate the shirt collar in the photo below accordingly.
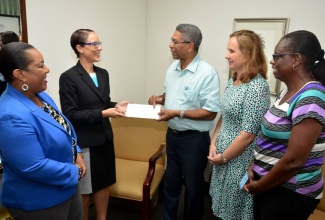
(192, 67)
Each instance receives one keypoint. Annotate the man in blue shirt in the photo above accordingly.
(191, 100)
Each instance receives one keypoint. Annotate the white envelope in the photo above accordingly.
(142, 111)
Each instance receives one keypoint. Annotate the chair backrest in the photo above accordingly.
(138, 139)
(321, 204)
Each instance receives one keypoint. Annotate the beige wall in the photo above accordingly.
(120, 25)
(136, 34)
(215, 19)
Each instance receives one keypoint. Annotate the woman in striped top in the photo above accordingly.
(285, 176)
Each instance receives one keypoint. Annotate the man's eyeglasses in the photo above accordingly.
(95, 43)
(278, 55)
(176, 42)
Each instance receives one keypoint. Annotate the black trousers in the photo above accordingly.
(282, 204)
(186, 158)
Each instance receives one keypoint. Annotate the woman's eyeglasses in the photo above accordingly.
(95, 43)
(278, 55)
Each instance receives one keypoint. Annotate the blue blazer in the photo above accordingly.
(36, 153)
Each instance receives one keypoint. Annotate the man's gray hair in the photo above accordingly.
(190, 33)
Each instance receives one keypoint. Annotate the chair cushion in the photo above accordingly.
(130, 176)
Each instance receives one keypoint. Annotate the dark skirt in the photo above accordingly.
(102, 163)
(100, 168)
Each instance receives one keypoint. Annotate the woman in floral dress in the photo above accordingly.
(245, 101)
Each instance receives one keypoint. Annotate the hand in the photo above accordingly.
(113, 113)
(212, 153)
(81, 163)
(121, 106)
(250, 173)
(165, 115)
(252, 187)
(153, 100)
(215, 158)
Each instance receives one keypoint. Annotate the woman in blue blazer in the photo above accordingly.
(85, 100)
(40, 158)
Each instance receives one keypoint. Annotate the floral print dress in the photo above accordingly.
(242, 108)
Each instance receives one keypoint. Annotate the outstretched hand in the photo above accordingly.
(153, 100)
(113, 113)
(121, 106)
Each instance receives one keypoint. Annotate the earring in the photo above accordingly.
(294, 67)
(25, 87)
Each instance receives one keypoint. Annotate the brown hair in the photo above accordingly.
(252, 47)
(79, 36)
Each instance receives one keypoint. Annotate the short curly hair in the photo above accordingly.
(190, 33)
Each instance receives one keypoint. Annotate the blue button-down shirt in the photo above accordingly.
(195, 87)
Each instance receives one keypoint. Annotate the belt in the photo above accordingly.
(180, 133)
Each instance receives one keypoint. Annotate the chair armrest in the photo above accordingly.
(151, 170)
(153, 159)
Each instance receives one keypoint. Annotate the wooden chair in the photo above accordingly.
(319, 213)
(140, 161)
(4, 214)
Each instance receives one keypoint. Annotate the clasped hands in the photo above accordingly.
(251, 186)
(214, 157)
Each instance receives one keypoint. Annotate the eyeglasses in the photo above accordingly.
(176, 42)
(95, 43)
(276, 56)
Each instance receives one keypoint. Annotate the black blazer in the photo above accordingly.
(3, 86)
(82, 103)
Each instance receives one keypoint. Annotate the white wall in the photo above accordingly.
(215, 19)
(136, 34)
(120, 25)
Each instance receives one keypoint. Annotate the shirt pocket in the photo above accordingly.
(189, 94)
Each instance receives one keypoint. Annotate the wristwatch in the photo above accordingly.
(181, 114)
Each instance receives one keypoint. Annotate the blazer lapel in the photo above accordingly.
(87, 79)
(33, 107)
(101, 83)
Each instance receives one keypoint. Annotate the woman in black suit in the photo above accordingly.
(85, 100)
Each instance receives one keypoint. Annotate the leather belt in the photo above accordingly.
(180, 133)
